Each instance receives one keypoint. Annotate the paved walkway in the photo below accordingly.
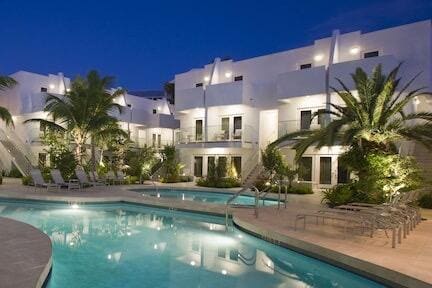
(373, 256)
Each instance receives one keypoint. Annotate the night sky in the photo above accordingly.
(144, 43)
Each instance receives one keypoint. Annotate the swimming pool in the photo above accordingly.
(122, 245)
(203, 196)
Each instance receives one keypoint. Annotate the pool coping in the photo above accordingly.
(377, 273)
(32, 271)
(364, 268)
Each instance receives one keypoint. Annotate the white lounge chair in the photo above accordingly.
(38, 180)
(94, 177)
(58, 179)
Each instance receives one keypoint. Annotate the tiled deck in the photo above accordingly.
(373, 256)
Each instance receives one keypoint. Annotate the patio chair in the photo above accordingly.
(121, 177)
(84, 180)
(94, 177)
(38, 180)
(58, 179)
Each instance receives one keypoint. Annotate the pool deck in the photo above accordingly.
(409, 265)
(25, 255)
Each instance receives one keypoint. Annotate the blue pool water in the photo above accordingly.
(121, 245)
(203, 196)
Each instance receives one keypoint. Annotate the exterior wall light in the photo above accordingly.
(354, 50)
(318, 57)
(228, 74)
(207, 78)
(51, 86)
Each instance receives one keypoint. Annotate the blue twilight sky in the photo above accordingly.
(144, 43)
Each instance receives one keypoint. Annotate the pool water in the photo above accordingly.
(203, 196)
(122, 245)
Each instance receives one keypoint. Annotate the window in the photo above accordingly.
(325, 170)
(154, 111)
(343, 173)
(305, 119)
(371, 54)
(222, 163)
(211, 164)
(44, 89)
(238, 78)
(198, 85)
(236, 164)
(159, 140)
(42, 127)
(237, 135)
(305, 66)
(305, 169)
(198, 166)
(199, 130)
(322, 118)
(225, 128)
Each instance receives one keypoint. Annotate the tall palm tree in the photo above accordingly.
(6, 83)
(374, 120)
(85, 112)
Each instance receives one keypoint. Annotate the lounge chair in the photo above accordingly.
(94, 177)
(38, 180)
(121, 177)
(113, 178)
(84, 180)
(58, 179)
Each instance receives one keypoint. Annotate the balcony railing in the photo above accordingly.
(217, 134)
(290, 126)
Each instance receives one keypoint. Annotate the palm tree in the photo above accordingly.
(6, 83)
(85, 112)
(374, 120)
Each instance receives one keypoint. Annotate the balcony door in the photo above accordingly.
(325, 170)
(225, 128)
(198, 130)
(198, 166)
(305, 169)
(237, 135)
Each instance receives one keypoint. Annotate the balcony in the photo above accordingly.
(217, 137)
(301, 82)
(230, 93)
(344, 70)
(290, 126)
(189, 98)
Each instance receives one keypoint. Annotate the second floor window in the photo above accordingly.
(44, 89)
(154, 111)
(371, 54)
(198, 84)
(305, 119)
(238, 78)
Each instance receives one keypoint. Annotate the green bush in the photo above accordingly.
(344, 194)
(131, 179)
(425, 201)
(26, 180)
(227, 182)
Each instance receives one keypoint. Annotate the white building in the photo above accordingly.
(150, 122)
(235, 108)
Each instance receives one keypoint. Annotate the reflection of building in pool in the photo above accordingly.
(184, 247)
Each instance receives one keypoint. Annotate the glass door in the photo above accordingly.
(198, 166)
(325, 170)
(199, 130)
(305, 169)
(237, 135)
(305, 119)
(225, 128)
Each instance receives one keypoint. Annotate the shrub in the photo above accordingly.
(26, 180)
(344, 194)
(131, 179)
(226, 182)
(425, 201)
(66, 162)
